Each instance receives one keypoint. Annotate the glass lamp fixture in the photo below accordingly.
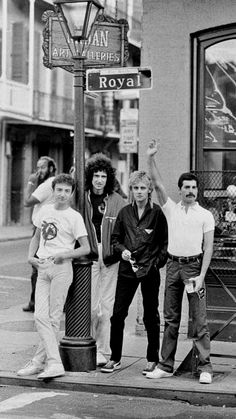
(78, 16)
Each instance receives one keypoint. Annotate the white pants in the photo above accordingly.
(103, 288)
(51, 290)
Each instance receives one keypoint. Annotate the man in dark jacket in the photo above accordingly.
(140, 239)
(101, 209)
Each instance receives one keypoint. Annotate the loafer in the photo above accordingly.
(52, 371)
(157, 373)
(29, 308)
(30, 369)
(205, 378)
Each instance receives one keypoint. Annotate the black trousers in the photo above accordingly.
(125, 291)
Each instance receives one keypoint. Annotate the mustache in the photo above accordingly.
(191, 194)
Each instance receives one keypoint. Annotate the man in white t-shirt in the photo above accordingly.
(58, 228)
(38, 193)
(190, 247)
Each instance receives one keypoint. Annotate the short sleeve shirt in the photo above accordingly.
(59, 230)
(186, 229)
(44, 194)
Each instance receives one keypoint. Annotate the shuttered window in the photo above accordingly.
(20, 51)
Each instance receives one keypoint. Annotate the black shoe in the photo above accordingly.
(28, 308)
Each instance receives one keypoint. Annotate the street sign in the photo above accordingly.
(128, 131)
(115, 79)
(106, 47)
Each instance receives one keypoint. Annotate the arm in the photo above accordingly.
(162, 256)
(117, 239)
(155, 174)
(83, 250)
(30, 200)
(208, 239)
(33, 247)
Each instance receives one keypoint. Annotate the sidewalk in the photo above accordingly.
(15, 232)
(19, 340)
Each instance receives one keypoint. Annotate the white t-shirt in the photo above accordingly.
(44, 193)
(59, 230)
(185, 230)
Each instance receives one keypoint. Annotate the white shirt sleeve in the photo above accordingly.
(209, 223)
(79, 228)
(43, 191)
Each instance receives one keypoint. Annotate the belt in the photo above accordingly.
(184, 259)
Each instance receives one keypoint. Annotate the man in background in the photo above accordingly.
(38, 193)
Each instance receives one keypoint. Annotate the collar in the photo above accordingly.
(149, 204)
(193, 207)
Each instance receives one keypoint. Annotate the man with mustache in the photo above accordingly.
(190, 247)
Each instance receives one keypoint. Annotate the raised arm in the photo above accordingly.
(155, 174)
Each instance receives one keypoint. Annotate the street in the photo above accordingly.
(25, 403)
(42, 403)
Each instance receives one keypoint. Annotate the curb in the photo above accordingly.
(194, 397)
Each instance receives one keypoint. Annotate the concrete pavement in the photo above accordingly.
(19, 339)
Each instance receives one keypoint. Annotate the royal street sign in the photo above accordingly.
(100, 80)
(106, 47)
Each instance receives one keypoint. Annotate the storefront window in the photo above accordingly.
(18, 40)
(219, 141)
(0, 38)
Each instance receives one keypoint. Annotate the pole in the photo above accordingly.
(78, 348)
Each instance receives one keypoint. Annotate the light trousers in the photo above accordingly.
(51, 290)
(103, 288)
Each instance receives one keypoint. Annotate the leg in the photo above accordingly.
(150, 291)
(201, 334)
(125, 290)
(34, 276)
(107, 296)
(174, 289)
(95, 296)
(50, 298)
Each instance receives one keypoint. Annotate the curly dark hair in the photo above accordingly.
(100, 163)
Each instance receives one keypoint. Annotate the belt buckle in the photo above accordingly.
(183, 260)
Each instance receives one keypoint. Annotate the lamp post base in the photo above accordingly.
(78, 354)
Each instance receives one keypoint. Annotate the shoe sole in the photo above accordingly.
(160, 378)
(49, 377)
(111, 370)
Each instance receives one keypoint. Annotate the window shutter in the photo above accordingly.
(20, 48)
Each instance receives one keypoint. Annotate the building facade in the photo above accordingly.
(36, 104)
(190, 45)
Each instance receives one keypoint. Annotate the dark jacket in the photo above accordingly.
(146, 238)
(113, 202)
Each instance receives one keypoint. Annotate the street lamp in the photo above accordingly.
(78, 348)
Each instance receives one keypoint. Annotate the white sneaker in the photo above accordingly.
(158, 373)
(30, 369)
(101, 360)
(205, 378)
(52, 371)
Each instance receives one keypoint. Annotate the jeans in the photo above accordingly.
(103, 288)
(51, 291)
(125, 291)
(176, 274)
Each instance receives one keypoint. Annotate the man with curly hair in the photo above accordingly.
(140, 240)
(101, 209)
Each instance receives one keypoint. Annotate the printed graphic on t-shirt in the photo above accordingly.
(49, 231)
(101, 207)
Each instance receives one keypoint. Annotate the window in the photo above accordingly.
(214, 93)
(18, 41)
(0, 38)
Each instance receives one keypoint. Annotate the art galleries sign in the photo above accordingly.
(107, 46)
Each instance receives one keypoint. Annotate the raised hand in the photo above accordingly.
(152, 148)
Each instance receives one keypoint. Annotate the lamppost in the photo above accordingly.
(78, 348)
